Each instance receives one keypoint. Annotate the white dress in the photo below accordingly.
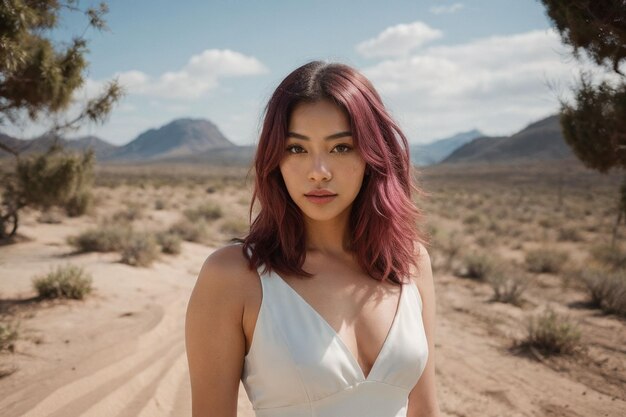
(298, 366)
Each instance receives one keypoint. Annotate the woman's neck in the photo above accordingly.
(330, 237)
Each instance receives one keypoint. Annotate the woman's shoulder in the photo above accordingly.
(226, 269)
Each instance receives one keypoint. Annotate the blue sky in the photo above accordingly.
(442, 67)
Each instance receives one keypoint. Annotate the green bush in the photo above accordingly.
(552, 333)
(208, 211)
(607, 288)
(159, 204)
(191, 231)
(106, 238)
(571, 234)
(140, 249)
(8, 336)
(79, 204)
(478, 265)
(612, 257)
(170, 242)
(69, 281)
(133, 211)
(508, 285)
(236, 227)
(545, 260)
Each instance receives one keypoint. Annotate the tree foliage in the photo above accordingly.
(594, 126)
(38, 79)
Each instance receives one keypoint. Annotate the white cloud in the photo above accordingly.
(446, 9)
(398, 40)
(199, 76)
(497, 84)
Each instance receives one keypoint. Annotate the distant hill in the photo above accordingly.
(182, 140)
(436, 151)
(42, 143)
(539, 141)
(179, 138)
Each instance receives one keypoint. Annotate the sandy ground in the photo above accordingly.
(121, 352)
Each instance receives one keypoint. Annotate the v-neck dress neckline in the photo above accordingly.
(298, 365)
(335, 334)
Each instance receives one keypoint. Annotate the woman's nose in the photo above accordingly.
(320, 170)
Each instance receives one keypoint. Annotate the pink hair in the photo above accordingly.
(384, 221)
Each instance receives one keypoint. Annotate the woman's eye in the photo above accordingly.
(291, 148)
(345, 148)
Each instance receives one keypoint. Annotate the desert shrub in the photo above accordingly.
(170, 242)
(607, 288)
(508, 284)
(570, 233)
(68, 281)
(50, 217)
(140, 249)
(485, 239)
(473, 219)
(545, 260)
(549, 222)
(450, 245)
(208, 211)
(133, 211)
(190, 231)
(234, 226)
(105, 238)
(159, 204)
(79, 204)
(478, 265)
(612, 257)
(552, 333)
(8, 336)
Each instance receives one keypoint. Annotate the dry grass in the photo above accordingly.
(67, 281)
(552, 333)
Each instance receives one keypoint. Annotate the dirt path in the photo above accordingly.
(121, 352)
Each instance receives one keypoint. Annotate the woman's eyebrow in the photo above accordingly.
(331, 137)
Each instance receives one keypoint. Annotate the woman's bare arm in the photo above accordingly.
(214, 337)
(423, 398)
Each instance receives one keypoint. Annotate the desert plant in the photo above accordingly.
(159, 204)
(545, 260)
(170, 242)
(140, 249)
(191, 231)
(80, 203)
(8, 335)
(613, 257)
(478, 265)
(105, 238)
(607, 288)
(68, 281)
(208, 211)
(508, 284)
(234, 226)
(552, 333)
(571, 234)
(133, 211)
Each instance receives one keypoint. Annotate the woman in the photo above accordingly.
(327, 307)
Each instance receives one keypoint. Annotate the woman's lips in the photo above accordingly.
(320, 199)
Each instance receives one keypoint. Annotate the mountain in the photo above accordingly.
(539, 141)
(436, 151)
(42, 144)
(179, 138)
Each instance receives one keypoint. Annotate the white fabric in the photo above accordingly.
(298, 366)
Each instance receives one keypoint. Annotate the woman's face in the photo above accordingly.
(320, 155)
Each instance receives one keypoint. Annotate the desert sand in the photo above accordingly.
(121, 352)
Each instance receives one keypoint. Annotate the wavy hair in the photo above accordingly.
(384, 221)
